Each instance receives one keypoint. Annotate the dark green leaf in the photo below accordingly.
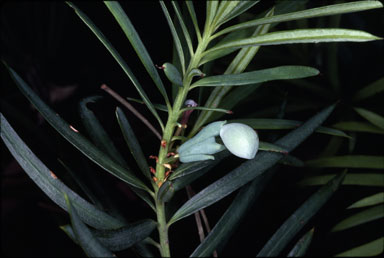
(361, 217)
(278, 124)
(133, 37)
(192, 13)
(90, 244)
(50, 184)
(373, 248)
(249, 169)
(125, 237)
(348, 161)
(368, 201)
(232, 217)
(118, 58)
(75, 138)
(176, 39)
(157, 106)
(242, 7)
(132, 142)
(299, 218)
(96, 131)
(372, 117)
(266, 146)
(355, 126)
(183, 26)
(265, 75)
(302, 245)
(364, 179)
(370, 90)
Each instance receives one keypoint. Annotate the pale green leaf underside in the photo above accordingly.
(298, 36)
(264, 75)
(309, 13)
(50, 184)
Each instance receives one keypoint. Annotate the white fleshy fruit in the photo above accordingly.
(240, 139)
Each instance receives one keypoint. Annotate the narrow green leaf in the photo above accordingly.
(309, 13)
(207, 108)
(176, 39)
(69, 231)
(50, 184)
(299, 218)
(183, 27)
(242, 7)
(118, 58)
(278, 124)
(249, 169)
(266, 146)
(361, 217)
(370, 90)
(75, 138)
(373, 248)
(355, 126)
(224, 9)
(96, 131)
(132, 142)
(133, 37)
(264, 75)
(291, 161)
(90, 244)
(363, 179)
(189, 168)
(210, 13)
(348, 161)
(232, 217)
(368, 201)
(372, 117)
(298, 36)
(125, 237)
(302, 245)
(192, 13)
(157, 106)
(238, 65)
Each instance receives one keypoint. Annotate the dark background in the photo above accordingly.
(61, 59)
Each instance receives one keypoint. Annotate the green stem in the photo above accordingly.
(173, 117)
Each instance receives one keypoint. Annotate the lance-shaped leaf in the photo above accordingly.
(309, 13)
(299, 218)
(348, 161)
(265, 75)
(223, 10)
(363, 179)
(302, 245)
(125, 237)
(96, 131)
(183, 26)
(118, 58)
(232, 217)
(240, 8)
(355, 126)
(192, 13)
(249, 170)
(278, 124)
(176, 39)
(367, 215)
(50, 184)
(133, 37)
(297, 36)
(370, 90)
(89, 243)
(75, 138)
(373, 248)
(368, 201)
(372, 117)
(132, 142)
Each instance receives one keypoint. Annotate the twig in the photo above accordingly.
(200, 228)
(131, 108)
